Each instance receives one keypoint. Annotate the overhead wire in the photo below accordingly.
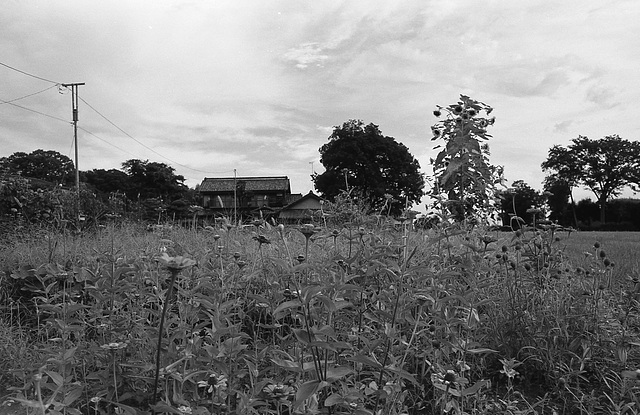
(28, 74)
(27, 96)
(97, 112)
(37, 112)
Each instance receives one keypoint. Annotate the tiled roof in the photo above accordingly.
(252, 184)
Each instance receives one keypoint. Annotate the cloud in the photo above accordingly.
(601, 95)
(562, 127)
(307, 54)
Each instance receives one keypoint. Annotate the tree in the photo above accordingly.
(558, 193)
(464, 178)
(517, 202)
(360, 157)
(604, 166)
(40, 164)
(152, 179)
(107, 181)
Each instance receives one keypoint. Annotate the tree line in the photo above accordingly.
(361, 162)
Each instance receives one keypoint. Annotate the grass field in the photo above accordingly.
(354, 319)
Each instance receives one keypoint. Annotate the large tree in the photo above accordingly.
(153, 180)
(47, 165)
(517, 201)
(604, 166)
(465, 180)
(107, 181)
(360, 157)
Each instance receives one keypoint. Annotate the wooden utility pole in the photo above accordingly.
(74, 109)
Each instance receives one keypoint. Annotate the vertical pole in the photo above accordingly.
(235, 198)
(74, 110)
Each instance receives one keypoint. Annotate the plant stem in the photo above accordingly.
(174, 275)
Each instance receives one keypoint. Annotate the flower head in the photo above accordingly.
(176, 263)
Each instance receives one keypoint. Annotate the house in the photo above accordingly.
(253, 195)
(301, 210)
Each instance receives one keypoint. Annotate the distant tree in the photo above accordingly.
(107, 181)
(40, 164)
(604, 166)
(560, 201)
(462, 171)
(153, 180)
(517, 201)
(360, 157)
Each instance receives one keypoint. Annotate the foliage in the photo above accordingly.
(366, 318)
(605, 166)
(383, 170)
(47, 165)
(518, 203)
(152, 179)
(107, 181)
(465, 181)
(558, 193)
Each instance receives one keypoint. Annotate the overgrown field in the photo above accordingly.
(364, 318)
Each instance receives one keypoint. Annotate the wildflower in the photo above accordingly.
(236, 255)
(504, 248)
(184, 409)
(449, 377)
(241, 264)
(437, 113)
(483, 123)
(472, 112)
(114, 346)
(457, 109)
(262, 239)
(214, 383)
(308, 230)
(216, 237)
(607, 262)
(176, 263)
(301, 258)
(603, 254)
(279, 391)
(596, 244)
(95, 399)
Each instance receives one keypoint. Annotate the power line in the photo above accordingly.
(32, 110)
(144, 145)
(97, 112)
(28, 74)
(27, 96)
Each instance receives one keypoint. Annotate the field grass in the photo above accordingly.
(366, 318)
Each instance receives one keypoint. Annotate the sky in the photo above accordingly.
(209, 87)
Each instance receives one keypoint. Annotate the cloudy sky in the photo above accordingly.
(212, 86)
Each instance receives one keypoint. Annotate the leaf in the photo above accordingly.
(56, 377)
(305, 391)
(72, 396)
(285, 306)
(365, 360)
(475, 388)
(303, 336)
(287, 364)
(335, 373)
(333, 399)
(481, 350)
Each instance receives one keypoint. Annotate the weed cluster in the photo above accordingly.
(364, 317)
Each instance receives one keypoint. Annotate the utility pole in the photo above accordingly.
(74, 109)
(235, 198)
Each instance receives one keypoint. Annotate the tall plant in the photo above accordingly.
(465, 181)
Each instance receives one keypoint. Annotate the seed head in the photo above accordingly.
(602, 254)
(596, 245)
(437, 113)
